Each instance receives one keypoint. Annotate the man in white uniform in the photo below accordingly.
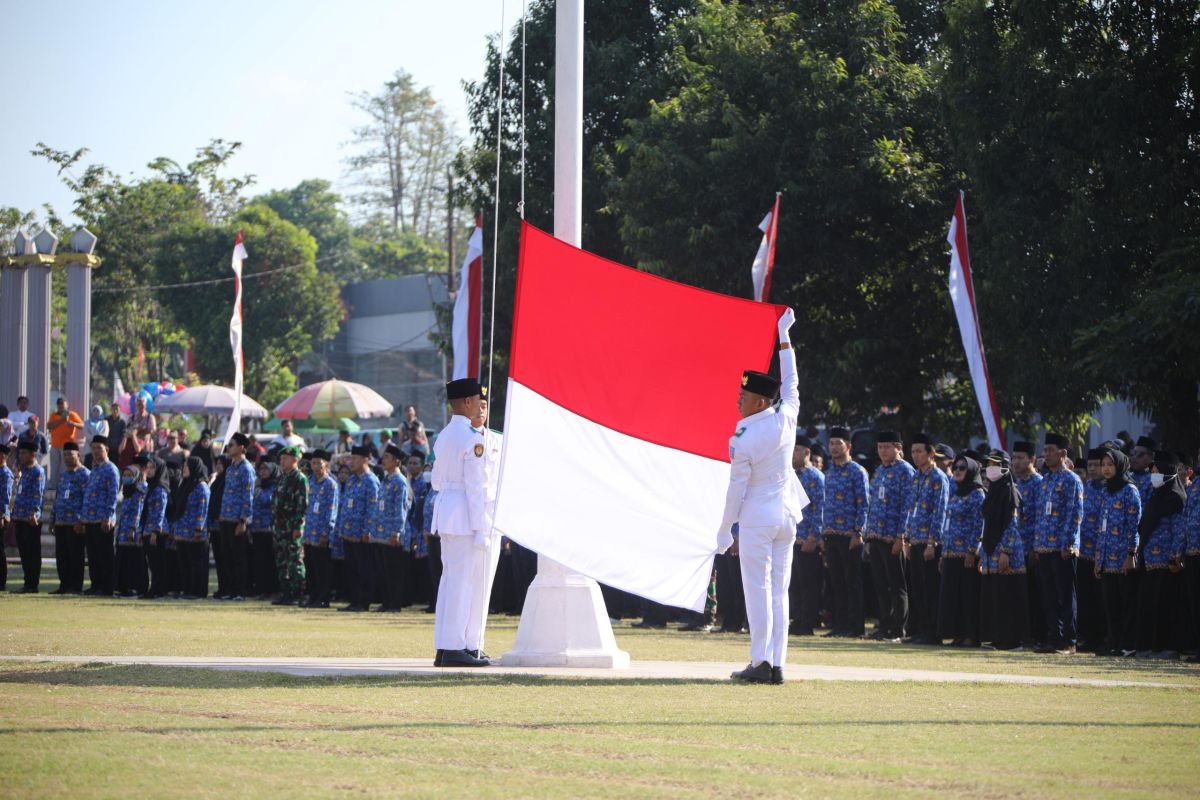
(465, 468)
(765, 500)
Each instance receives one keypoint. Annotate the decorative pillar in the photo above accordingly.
(80, 262)
(37, 362)
(14, 321)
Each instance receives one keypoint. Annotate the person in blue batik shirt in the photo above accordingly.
(435, 547)
(889, 502)
(237, 505)
(1029, 484)
(1191, 560)
(99, 517)
(1161, 545)
(191, 528)
(1141, 460)
(1057, 545)
(154, 524)
(930, 495)
(262, 530)
(130, 560)
(958, 604)
(6, 493)
(1092, 628)
(806, 564)
(391, 536)
(27, 514)
(844, 518)
(1116, 550)
(68, 505)
(353, 527)
(320, 522)
(1004, 621)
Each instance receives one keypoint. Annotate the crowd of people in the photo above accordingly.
(1006, 550)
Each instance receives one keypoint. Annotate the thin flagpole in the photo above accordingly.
(496, 204)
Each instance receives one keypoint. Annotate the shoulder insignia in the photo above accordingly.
(479, 451)
(740, 431)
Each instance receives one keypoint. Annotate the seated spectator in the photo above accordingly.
(287, 437)
(20, 417)
(96, 424)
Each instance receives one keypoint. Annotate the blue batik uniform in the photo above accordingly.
(320, 518)
(390, 512)
(416, 516)
(813, 481)
(890, 501)
(101, 494)
(1010, 543)
(29, 493)
(1166, 543)
(155, 519)
(930, 494)
(846, 487)
(130, 517)
(260, 509)
(964, 524)
(354, 507)
(1117, 539)
(1060, 512)
(1144, 485)
(426, 522)
(1191, 525)
(1089, 527)
(192, 526)
(6, 488)
(68, 498)
(1031, 490)
(237, 504)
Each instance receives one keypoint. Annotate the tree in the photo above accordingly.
(278, 387)
(405, 148)
(313, 206)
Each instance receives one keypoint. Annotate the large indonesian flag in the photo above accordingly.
(622, 397)
(962, 295)
(468, 308)
(764, 259)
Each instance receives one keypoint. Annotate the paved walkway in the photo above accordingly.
(639, 670)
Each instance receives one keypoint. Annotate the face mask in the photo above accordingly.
(128, 480)
(1157, 479)
(994, 473)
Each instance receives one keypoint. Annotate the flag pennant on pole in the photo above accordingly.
(235, 338)
(604, 469)
(764, 259)
(962, 295)
(468, 308)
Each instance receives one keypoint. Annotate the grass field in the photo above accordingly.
(101, 731)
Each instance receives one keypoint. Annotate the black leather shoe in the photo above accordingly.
(482, 656)
(777, 675)
(60, 590)
(461, 658)
(23, 590)
(754, 673)
(283, 600)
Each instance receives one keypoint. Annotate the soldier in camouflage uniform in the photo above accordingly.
(287, 512)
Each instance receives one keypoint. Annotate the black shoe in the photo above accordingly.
(24, 590)
(220, 597)
(60, 590)
(237, 598)
(92, 592)
(437, 658)
(1044, 649)
(777, 676)
(693, 627)
(645, 624)
(352, 608)
(284, 600)
(430, 610)
(754, 673)
(461, 658)
(801, 632)
(188, 597)
(482, 656)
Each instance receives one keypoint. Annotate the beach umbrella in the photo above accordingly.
(209, 399)
(331, 399)
(315, 425)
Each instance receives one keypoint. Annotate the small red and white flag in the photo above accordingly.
(617, 418)
(962, 295)
(235, 339)
(468, 308)
(764, 259)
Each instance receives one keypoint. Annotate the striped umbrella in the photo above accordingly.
(331, 399)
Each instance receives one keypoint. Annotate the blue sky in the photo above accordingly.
(134, 80)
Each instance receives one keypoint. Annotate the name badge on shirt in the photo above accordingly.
(882, 492)
(1103, 524)
(1049, 507)
(382, 505)
(316, 508)
(67, 493)
(350, 502)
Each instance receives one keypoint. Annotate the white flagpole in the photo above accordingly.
(235, 340)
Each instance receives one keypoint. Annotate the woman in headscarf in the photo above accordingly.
(262, 532)
(173, 584)
(214, 529)
(1161, 545)
(154, 524)
(1116, 549)
(1004, 592)
(96, 424)
(130, 579)
(191, 504)
(958, 607)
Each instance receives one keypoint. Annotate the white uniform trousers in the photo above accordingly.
(766, 558)
(464, 592)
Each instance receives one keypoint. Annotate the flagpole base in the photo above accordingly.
(564, 624)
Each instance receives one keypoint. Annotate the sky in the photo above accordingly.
(133, 80)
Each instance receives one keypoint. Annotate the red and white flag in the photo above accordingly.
(468, 308)
(764, 259)
(235, 339)
(962, 294)
(618, 417)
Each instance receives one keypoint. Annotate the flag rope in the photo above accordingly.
(496, 198)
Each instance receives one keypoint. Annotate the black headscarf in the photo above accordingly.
(176, 500)
(1121, 479)
(971, 480)
(1165, 501)
(218, 490)
(197, 474)
(129, 489)
(161, 478)
(1002, 499)
(273, 471)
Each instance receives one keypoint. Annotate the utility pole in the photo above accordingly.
(450, 237)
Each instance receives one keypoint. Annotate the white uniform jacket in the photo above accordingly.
(764, 491)
(466, 463)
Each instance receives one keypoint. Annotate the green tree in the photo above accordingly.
(315, 207)
(279, 386)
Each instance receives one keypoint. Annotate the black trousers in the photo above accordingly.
(193, 567)
(891, 587)
(68, 558)
(1092, 629)
(923, 582)
(156, 561)
(1191, 578)
(1037, 617)
(360, 573)
(216, 534)
(1119, 593)
(236, 551)
(29, 545)
(130, 570)
(1157, 617)
(434, 560)
(731, 599)
(172, 577)
(804, 592)
(1004, 617)
(99, 546)
(318, 572)
(845, 576)
(264, 576)
(1056, 584)
(958, 606)
(389, 564)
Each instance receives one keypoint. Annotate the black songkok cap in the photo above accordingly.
(945, 451)
(321, 454)
(1024, 447)
(1096, 454)
(394, 452)
(240, 439)
(1058, 440)
(206, 434)
(141, 459)
(803, 441)
(840, 433)
(971, 454)
(1147, 442)
(70, 446)
(1165, 459)
(100, 440)
(359, 450)
(463, 388)
(26, 445)
(923, 438)
(886, 437)
(760, 383)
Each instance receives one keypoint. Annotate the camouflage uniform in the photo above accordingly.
(287, 511)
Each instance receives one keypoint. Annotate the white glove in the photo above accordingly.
(785, 323)
(481, 541)
(724, 541)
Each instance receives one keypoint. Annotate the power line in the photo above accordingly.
(161, 286)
